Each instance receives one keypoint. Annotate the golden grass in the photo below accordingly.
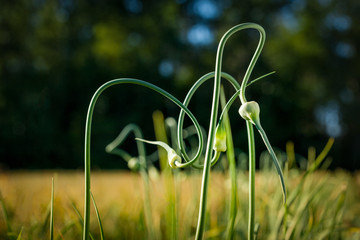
(119, 196)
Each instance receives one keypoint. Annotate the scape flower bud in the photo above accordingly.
(250, 111)
(134, 164)
(220, 139)
(173, 158)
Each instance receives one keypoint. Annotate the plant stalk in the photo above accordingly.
(251, 142)
(86, 228)
(214, 112)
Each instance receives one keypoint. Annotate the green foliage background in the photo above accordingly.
(55, 54)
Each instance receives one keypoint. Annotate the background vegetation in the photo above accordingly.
(327, 207)
(54, 55)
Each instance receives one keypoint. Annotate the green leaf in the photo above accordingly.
(98, 217)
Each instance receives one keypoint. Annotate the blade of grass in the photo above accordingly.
(52, 211)
(321, 156)
(282, 217)
(98, 217)
(5, 214)
(80, 218)
(232, 170)
(66, 228)
(19, 236)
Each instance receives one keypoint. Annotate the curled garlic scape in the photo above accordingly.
(173, 158)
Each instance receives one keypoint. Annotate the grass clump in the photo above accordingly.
(328, 206)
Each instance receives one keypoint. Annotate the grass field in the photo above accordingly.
(327, 207)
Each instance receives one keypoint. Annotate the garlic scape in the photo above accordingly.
(173, 158)
(250, 111)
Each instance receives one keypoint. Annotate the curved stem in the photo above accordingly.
(111, 147)
(186, 102)
(88, 134)
(214, 160)
(253, 60)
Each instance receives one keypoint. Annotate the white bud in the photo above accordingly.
(134, 164)
(220, 139)
(173, 158)
(250, 111)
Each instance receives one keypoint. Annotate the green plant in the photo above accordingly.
(216, 138)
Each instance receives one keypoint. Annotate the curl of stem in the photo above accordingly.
(253, 60)
(111, 147)
(186, 102)
(88, 134)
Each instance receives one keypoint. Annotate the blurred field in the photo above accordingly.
(328, 206)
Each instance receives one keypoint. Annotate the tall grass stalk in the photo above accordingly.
(19, 236)
(98, 217)
(160, 133)
(230, 153)
(52, 211)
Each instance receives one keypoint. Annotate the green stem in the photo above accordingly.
(232, 170)
(147, 204)
(88, 135)
(146, 181)
(251, 142)
(273, 157)
(214, 112)
(186, 102)
(253, 60)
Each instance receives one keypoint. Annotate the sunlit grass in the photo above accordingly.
(329, 204)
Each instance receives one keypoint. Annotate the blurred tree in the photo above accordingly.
(55, 54)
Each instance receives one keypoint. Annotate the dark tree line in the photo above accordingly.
(55, 54)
